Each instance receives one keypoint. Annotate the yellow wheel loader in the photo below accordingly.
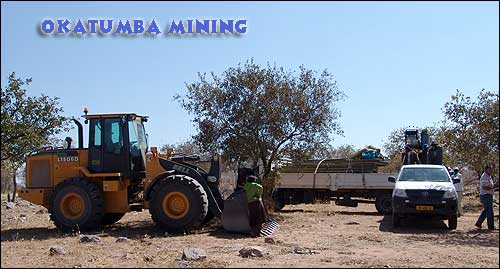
(85, 188)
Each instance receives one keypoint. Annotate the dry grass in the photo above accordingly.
(321, 228)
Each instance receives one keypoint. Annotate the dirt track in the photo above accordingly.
(322, 230)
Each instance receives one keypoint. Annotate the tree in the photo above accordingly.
(184, 148)
(27, 123)
(472, 129)
(260, 114)
(342, 152)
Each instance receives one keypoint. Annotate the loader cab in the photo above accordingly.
(117, 144)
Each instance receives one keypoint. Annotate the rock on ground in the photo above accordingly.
(90, 239)
(10, 205)
(251, 252)
(194, 254)
(121, 239)
(56, 250)
(269, 240)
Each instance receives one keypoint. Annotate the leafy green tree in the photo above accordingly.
(184, 148)
(27, 123)
(472, 128)
(259, 114)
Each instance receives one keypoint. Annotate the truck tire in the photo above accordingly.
(278, 205)
(396, 220)
(76, 204)
(111, 218)
(452, 222)
(383, 203)
(178, 203)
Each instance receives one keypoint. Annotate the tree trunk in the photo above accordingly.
(14, 185)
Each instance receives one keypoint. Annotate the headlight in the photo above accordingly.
(450, 194)
(400, 193)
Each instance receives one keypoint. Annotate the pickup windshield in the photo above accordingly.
(424, 174)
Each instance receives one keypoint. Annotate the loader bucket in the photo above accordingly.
(235, 217)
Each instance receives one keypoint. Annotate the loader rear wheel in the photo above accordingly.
(111, 218)
(76, 204)
(178, 204)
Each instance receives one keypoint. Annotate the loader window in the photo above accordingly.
(113, 136)
(138, 144)
(97, 133)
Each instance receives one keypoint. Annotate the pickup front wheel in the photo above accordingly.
(396, 220)
(452, 222)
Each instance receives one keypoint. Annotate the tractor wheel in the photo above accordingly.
(76, 204)
(383, 204)
(178, 204)
(111, 218)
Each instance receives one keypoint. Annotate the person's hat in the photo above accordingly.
(252, 177)
(455, 169)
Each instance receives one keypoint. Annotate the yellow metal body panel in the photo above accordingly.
(153, 167)
(116, 201)
(85, 172)
(111, 185)
(67, 167)
(36, 196)
(35, 179)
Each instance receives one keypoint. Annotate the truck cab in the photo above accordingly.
(426, 191)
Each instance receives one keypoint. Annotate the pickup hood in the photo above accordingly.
(424, 185)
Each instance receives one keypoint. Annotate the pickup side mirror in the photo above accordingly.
(456, 180)
(392, 179)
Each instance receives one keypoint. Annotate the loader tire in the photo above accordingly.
(178, 204)
(111, 218)
(76, 204)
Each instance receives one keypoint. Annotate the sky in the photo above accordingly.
(397, 62)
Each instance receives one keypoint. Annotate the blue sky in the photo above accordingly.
(397, 62)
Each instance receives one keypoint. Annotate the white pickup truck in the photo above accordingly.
(323, 186)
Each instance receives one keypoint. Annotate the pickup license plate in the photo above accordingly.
(425, 207)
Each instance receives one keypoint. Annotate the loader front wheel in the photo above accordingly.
(178, 204)
(76, 204)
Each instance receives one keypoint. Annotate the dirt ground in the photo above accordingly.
(322, 231)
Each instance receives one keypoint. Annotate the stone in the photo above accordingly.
(56, 250)
(148, 258)
(23, 203)
(121, 239)
(269, 240)
(180, 263)
(299, 250)
(90, 239)
(41, 211)
(194, 254)
(10, 205)
(251, 252)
